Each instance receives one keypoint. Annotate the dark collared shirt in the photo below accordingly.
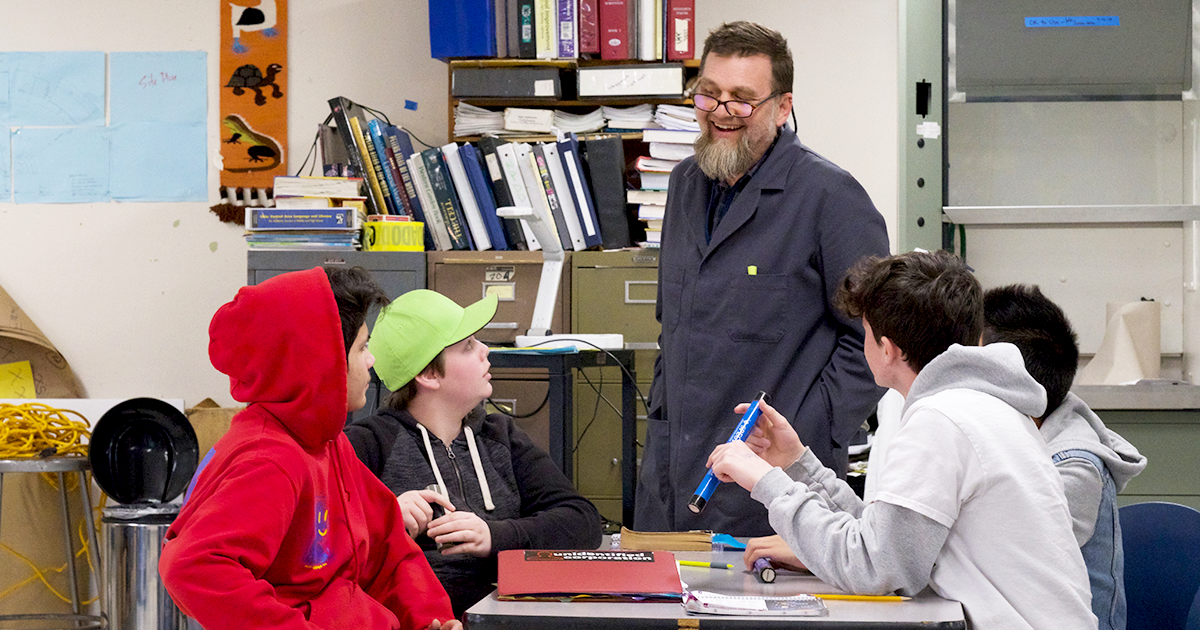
(721, 195)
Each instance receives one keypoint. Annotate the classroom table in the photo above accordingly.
(926, 610)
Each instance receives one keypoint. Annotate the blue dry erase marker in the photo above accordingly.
(744, 427)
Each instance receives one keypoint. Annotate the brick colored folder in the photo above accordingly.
(589, 575)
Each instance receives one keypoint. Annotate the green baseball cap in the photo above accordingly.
(416, 326)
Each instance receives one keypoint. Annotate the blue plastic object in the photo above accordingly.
(1162, 565)
(743, 429)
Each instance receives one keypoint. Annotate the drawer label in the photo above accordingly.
(499, 273)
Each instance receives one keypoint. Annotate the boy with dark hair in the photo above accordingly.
(434, 446)
(282, 527)
(1094, 462)
(968, 502)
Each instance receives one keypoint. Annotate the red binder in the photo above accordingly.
(588, 575)
(614, 28)
(681, 29)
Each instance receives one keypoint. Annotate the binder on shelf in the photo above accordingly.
(614, 28)
(589, 27)
(568, 29)
(446, 198)
(435, 225)
(648, 20)
(513, 19)
(527, 40)
(500, 15)
(565, 194)
(681, 29)
(467, 202)
(553, 202)
(605, 161)
(568, 150)
(546, 27)
(533, 185)
(631, 80)
(501, 190)
(483, 196)
(462, 28)
(401, 146)
(506, 154)
(506, 82)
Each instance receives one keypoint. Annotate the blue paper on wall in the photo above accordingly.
(60, 165)
(159, 162)
(158, 87)
(5, 167)
(52, 88)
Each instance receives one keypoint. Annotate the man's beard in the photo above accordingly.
(723, 161)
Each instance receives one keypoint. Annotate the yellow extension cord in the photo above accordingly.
(36, 430)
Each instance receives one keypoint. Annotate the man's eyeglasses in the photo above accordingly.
(737, 109)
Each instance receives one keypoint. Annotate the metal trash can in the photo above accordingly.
(143, 453)
(134, 595)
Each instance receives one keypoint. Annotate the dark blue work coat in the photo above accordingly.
(801, 222)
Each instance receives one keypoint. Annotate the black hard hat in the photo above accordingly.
(143, 450)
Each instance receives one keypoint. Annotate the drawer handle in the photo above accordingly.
(629, 300)
(503, 325)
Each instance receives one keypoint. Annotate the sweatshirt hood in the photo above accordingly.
(996, 369)
(1075, 426)
(280, 343)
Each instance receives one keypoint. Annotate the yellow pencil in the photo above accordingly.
(706, 565)
(862, 598)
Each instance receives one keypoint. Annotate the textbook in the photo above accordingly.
(694, 540)
(541, 575)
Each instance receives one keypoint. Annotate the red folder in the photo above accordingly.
(588, 575)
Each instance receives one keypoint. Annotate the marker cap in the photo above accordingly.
(696, 505)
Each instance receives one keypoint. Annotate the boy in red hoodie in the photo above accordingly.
(282, 526)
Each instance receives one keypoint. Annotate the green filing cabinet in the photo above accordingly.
(611, 292)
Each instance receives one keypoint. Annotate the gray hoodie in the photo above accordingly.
(884, 547)
(1075, 426)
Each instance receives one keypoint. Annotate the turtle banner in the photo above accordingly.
(254, 74)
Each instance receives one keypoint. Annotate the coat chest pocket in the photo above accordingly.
(754, 308)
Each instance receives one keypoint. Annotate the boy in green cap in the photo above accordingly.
(470, 484)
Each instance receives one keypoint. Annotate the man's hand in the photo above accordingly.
(416, 505)
(774, 548)
(773, 438)
(462, 532)
(734, 461)
(453, 624)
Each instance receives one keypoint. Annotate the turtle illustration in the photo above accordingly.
(249, 77)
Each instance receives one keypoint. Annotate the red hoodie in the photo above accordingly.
(283, 527)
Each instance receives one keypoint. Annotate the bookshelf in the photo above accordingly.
(568, 73)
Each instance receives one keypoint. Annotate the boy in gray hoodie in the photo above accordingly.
(1094, 462)
(968, 501)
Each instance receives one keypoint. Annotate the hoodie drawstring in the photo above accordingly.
(437, 474)
(483, 484)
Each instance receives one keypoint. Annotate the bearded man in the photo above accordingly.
(758, 233)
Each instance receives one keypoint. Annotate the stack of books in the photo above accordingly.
(635, 118)
(310, 213)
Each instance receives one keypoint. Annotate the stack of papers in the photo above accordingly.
(676, 117)
(470, 120)
(636, 117)
(579, 123)
(719, 604)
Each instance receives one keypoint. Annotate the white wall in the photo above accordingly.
(125, 291)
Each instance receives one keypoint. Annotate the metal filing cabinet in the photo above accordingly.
(612, 292)
(395, 272)
(513, 276)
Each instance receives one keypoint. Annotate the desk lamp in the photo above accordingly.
(539, 333)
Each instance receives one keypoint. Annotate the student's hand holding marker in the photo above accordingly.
(462, 532)
(774, 549)
(417, 507)
(773, 438)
